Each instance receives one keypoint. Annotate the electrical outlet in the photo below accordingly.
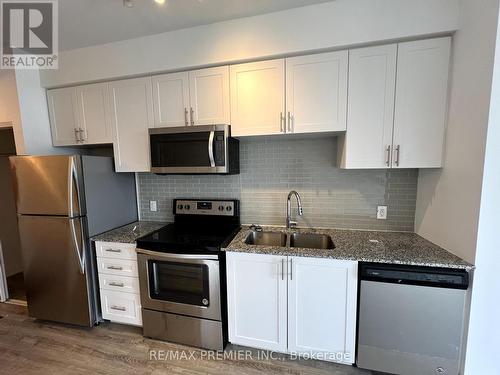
(152, 206)
(382, 212)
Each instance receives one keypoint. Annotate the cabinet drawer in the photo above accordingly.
(115, 250)
(121, 307)
(118, 267)
(119, 283)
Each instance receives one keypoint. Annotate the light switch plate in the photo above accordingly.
(382, 212)
(152, 206)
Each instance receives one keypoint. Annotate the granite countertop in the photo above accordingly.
(367, 246)
(127, 234)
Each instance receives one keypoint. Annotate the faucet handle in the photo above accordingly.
(292, 224)
(256, 228)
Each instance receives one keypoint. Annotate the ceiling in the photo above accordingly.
(90, 22)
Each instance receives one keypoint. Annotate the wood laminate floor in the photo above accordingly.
(29, 346)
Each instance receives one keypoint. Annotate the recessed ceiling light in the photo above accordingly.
(160, 2)
(128, 3)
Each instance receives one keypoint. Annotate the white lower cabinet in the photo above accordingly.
(297, 305)
(119, 282)
(256, 287)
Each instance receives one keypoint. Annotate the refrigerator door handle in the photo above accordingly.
(79, 254)
(73, 186)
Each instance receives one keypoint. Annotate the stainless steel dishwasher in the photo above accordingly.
(411, 319)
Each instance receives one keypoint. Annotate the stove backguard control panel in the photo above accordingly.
(205, 207)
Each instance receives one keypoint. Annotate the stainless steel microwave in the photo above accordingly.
(206, 149)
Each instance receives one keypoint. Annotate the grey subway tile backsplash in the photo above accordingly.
(271, 167)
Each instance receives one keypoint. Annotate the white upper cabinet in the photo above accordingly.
(209, 96)
(171, 99)
(131, 105)
(397, 106)
(316, 93)
(322, 297)
(421, 103)
(93, 119)
(258, 98)
(198, 97)
(370, 114)
(63, 116)
(257, 288)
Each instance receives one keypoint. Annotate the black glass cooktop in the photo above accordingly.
(188, 239)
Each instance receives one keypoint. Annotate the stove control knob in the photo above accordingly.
(229, 208)
(221, 208)
(180, 206)
(187, 206)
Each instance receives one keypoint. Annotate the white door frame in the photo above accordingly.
(4, 291)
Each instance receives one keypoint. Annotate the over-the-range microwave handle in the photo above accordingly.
(170, 256)
(211, 148)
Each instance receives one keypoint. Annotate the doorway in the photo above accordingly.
(10, 244)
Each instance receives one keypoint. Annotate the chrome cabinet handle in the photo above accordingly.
(211, 149)
(186, 116)
(282, 268)
(77, 137)
(282, 123)
(113, 250)
(83, 136)
(119, 308)
(289, 122)
(114, 268)
(192, 116)
(388, 155)
(397, 151)
(121, 285)
(291, 268)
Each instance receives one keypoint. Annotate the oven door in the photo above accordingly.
(198, 149)
(180, 284)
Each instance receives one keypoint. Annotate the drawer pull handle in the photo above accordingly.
(115, 268)
(119, 308)
(121, 285)
(113, 250)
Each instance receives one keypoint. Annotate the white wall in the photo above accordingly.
(34, 115)
(448, 199)
(484, 327)
(324, 26)
(9, 107)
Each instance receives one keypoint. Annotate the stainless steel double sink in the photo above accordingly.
(304, 240)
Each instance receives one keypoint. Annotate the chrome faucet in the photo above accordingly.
(289, 222)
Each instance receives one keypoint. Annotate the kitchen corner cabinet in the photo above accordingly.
(78, 115)
(397, 106)
(131, 105)
(197, 97)
(293, 304)
(305, 94)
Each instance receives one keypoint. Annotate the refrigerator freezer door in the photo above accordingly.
(55, 269)
(48, 185)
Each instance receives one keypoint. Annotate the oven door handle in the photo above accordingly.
(211, 149)
(171, 256)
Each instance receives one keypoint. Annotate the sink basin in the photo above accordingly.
(311, 241)
(266, 238)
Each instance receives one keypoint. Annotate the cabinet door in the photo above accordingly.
(209, 96)
(256, 287)
(316, 93)
(421, 103)
(63, 116)
(171, 99)
(131, 105)
(370, 114)
(92, 113)
(258, 98)
(322, 297)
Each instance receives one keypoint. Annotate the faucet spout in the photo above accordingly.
(289, 222)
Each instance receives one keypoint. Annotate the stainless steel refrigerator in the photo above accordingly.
(62, 201)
